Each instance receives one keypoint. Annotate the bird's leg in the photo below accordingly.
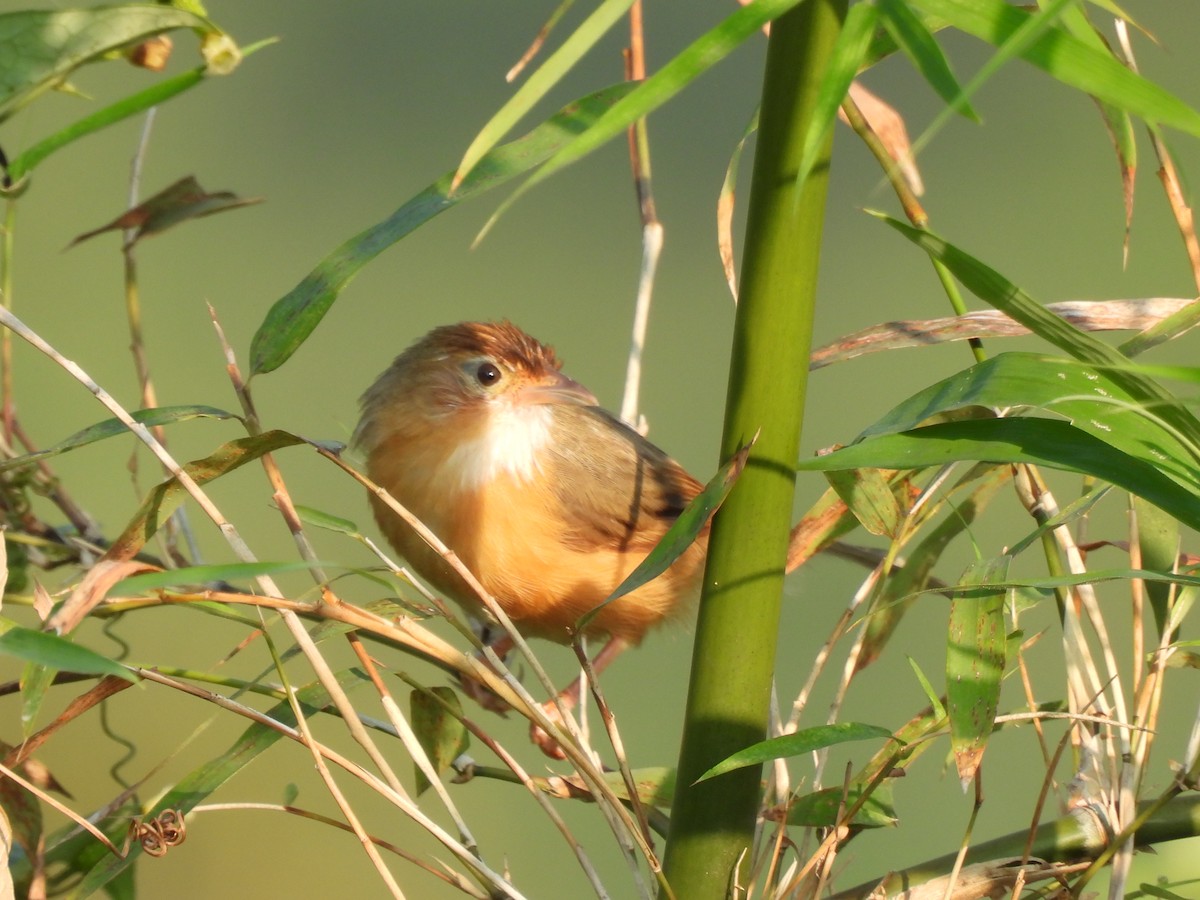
(501, 644)
(568, 698)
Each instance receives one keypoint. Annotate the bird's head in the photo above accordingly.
(463, 384)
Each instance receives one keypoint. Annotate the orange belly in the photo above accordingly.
(507, 534)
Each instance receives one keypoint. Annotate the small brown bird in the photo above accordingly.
(549, 500)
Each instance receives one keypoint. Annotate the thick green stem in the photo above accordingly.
(712, 823)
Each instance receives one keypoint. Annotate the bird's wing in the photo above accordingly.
(614, 488)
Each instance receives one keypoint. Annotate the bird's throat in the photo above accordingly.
(506, 442)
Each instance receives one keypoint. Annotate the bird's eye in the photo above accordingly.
(487, 374)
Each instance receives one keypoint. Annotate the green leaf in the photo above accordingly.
(935, 702)
(1045, 442)
(160, 415)
(1158, 541)
(1086, 395)
(294, 316)
(550, 73)
(1160, 892)
(992, 287)
(914, 37)
(804, 741)
(36, 679)
(319, 519)
(39, 49)
(869, 496)
(437, 722)
(109, 115)
(1014, 43)
(681, 535)
(1067, 59)
(44, 649)
(820, 809)
(975, 653)
(847, 57)
(655, 785)
(163, 499)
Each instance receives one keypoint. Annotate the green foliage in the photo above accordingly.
(907, 491)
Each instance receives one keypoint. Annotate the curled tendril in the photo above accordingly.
(159, 834)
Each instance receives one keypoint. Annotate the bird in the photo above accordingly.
(549, 500)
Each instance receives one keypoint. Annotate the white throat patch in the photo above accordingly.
(508, 444)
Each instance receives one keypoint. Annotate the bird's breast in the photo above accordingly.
(550, 512)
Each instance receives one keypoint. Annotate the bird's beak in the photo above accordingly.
(557, 388)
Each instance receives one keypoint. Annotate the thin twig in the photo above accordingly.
(523, 777)
(326, 753)
(652, 229)
(284, 504)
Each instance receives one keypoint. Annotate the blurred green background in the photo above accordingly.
(358, 107)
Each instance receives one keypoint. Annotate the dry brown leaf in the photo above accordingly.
(102, 690)
(43, 603)
(1087, 315)
(994, 879)
(92, 590)
(183, 200)
(888, 125)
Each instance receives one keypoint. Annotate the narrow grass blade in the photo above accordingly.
(550, 73)
(681, 535)
(914, 37)
(109, 115)
(327, 521)
(975, 651)
(935, 702)
(804, 741)
(1165, 330)
(222, 572)
(848, 55)
(1067, 59)
(45, 649)
(294, 317)
(680, 71)
(161, 415)
(122, 109)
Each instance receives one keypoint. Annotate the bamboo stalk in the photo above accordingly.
(712, 823)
